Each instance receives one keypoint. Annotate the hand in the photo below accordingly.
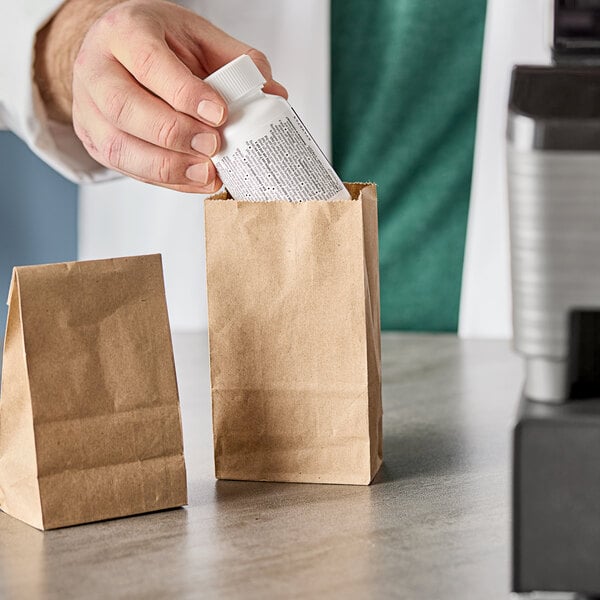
(129, 77)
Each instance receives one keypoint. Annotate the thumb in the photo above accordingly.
(219, 48)
(264, 66)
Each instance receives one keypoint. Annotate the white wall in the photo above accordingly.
(125, 217)
(516, 33)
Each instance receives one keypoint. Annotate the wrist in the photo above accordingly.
(56, 47)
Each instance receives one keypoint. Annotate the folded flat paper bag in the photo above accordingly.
(90, 426)
(293, 298)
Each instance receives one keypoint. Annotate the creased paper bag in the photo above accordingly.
(295, 361)
(90, 427)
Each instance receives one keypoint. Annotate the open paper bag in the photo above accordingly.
(295, 362)
(90, 427)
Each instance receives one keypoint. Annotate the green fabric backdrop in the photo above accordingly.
(405, 83)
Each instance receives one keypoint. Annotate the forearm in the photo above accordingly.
(57, 45)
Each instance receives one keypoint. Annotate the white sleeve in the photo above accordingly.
(21, 107)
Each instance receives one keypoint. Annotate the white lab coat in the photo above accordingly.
(125, 217)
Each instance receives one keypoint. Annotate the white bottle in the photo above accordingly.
(266, 152)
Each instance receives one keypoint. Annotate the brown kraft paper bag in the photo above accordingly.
(294, 335)
(90, 426)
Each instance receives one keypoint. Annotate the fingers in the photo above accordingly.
(275, 88)
(272, 86)
(132, 109)
(154, 65)
(152, 62)
(219, 48)
(130, 155)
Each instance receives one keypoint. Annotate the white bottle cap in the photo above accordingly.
(236, 78)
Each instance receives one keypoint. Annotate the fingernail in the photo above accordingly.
(211, 112)
(205, 143)
(198, 173)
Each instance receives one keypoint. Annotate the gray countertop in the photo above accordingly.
(434, 524)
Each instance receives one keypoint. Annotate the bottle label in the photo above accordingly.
(280, 161)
